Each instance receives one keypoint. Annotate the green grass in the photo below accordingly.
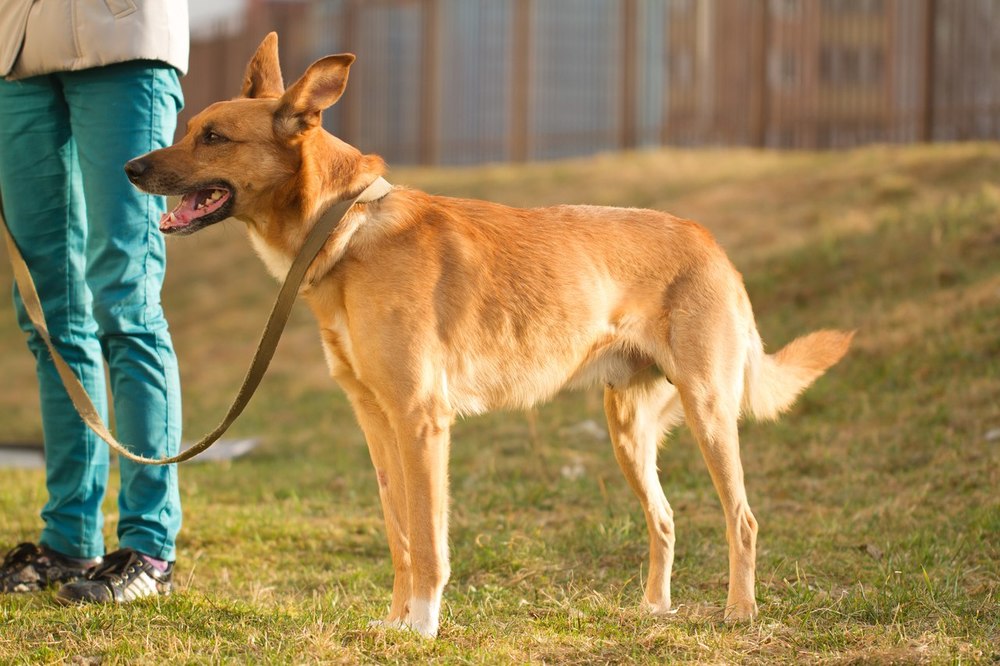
(877, 496)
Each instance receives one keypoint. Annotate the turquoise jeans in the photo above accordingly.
(91, 242)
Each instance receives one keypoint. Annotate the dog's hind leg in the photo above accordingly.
(638, 417)
(713, 422)
(709, 354)
(384, 451)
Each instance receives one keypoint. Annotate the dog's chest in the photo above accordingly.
(277, 262)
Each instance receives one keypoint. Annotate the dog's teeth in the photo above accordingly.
(216, 195)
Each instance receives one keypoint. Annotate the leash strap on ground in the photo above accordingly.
(261, 359)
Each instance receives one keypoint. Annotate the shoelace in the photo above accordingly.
(115, 564)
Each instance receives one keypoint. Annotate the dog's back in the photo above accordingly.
(519, 303)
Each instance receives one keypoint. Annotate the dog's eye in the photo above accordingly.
(213, 137)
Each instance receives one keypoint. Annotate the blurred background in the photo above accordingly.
(473, 81)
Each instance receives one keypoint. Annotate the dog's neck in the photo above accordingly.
(278, 256)
(336, 245)
(330, 171)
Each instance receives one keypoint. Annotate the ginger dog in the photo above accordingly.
(430, 307)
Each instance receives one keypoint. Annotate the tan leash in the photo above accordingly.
(261, 358)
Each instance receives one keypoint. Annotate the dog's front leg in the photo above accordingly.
(423, 437)
(384, 451)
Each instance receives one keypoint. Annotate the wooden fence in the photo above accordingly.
(471, 81)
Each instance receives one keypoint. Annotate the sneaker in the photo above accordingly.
(123, 576)
(32, 568)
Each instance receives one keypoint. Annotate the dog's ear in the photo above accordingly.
(302, 105)
(263, 75)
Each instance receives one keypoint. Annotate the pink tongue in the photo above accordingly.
(182, 214)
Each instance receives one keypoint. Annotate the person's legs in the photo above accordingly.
(43, 206)
(117, 113)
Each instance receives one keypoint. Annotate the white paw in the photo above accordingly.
(423, 616)
(425, 629)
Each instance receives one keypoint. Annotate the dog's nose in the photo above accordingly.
(134, 169)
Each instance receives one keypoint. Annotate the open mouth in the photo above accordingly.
(198, 209)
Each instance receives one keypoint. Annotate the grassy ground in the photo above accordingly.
(877, 496)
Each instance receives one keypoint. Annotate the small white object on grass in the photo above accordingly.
(32, 456)
(226, 449)
(22, 456)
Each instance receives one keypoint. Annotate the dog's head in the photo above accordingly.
(262, 157)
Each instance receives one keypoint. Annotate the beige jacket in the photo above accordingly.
(43, 36)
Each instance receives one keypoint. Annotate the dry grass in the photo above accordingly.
(876, 496)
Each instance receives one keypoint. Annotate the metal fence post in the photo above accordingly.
(927, 130)
(351, 109)
(430, 89)
(520, 81)
(760, 84)
(630, 73)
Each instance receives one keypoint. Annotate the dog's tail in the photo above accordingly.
(773, 381)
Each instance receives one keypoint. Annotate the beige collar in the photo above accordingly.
(378, 189)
